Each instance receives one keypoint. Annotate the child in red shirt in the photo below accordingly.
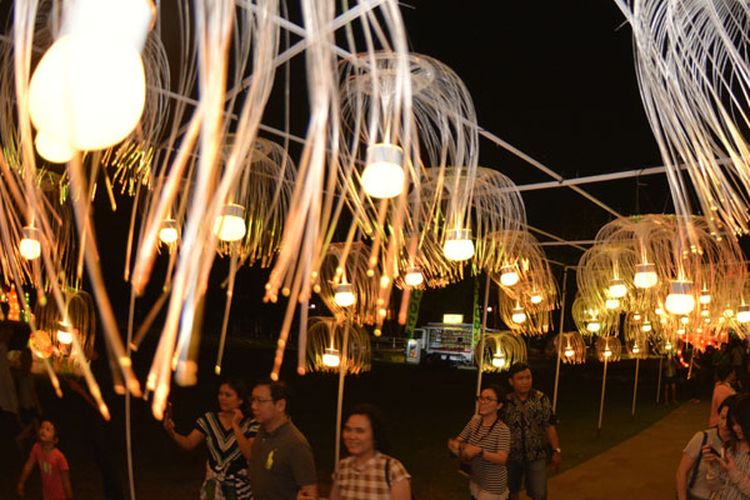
(53, 467)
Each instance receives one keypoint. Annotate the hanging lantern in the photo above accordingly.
(344, 295)
(414, 277)
(680, 300)
(617, 289)
(635, 349)
(645, 276)
(383, 176)
(88, 90)
(593, 326)
(536, 297)
(705, 297)
(646, 327)
(169, 233)
(458, 245)
(498, 360)
(743, 313)
(331, 357)
(612, 303)
(519, 314)
(230, 225)
(569, 351)
(30, 246)
(509, 275)
(53, 150)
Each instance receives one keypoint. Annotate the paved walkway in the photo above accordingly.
(641, 468)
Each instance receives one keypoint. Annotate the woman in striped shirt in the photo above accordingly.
(484, 445)
(229, 436)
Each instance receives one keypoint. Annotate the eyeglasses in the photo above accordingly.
(481, 399)
(260, 400)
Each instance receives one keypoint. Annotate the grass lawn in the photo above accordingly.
(425, 405)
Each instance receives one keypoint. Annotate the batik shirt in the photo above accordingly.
(528, 422)
(226, 463)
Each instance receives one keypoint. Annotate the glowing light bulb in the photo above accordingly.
(230, 225)
(344, 295)
(88, 90)
(518, 315)
(498, 360)
(30, 246)
(64, 334)
(668, 346)
(684, 320)
(593, 326)
(705, 297)
(414, 277)
(612, 303)
(617, 289)
(659, 311)
(168, 233)
(680, 331)
(645, 275)
(680, 300)
(509, 275)
(53, 150)
(458, 245)
(637, 317)
(743, 313)
(646, 327)
(569, 352)
(728, 312)
(635, 349)
(607, 352)
(331, 357)
(383, 176)
(536, 298)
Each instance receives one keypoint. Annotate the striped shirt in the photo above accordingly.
(226, 464)
(489, 476)
(369, 481)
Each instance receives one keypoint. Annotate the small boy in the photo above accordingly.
(53, 467)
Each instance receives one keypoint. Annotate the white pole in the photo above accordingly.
(559, 338)
(601, 400)
(343, 364)
(658, 383)
(481, 339)
(635, 385)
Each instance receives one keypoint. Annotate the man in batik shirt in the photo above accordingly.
(534, 442)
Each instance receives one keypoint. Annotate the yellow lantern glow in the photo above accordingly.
(331, 357)
(30, 246)
(414, 277)
(645, 275)
(680, 300)
(617, 289)
(169, 233)
(383, 176)
(53, 150)
(230, 225)
(344, 295)
(458, 245)
(509, 275)
(518, 315)
(743, 313)
(88, 90)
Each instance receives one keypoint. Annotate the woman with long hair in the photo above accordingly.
(735, 460)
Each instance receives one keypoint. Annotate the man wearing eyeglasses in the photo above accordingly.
(282, 466)
(529, 415)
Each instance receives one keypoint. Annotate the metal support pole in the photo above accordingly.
(658, 383)
(559, 338)
(343, 364)
(480, 363)
(601, 400)
(635, 385)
